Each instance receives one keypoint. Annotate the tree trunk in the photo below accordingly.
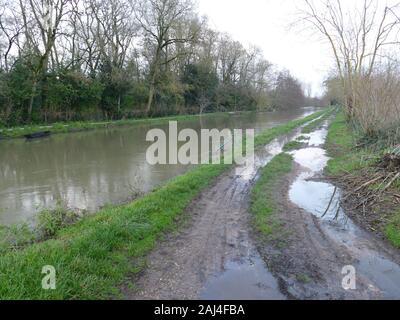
(32, 99)
(151, 92)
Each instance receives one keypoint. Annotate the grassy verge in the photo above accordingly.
(268, 135)
(315, 124)
(19, 132)
(263, 194)
(93, 256)
(392, 229)
(341, 142)
(292, 145)
(359, 163)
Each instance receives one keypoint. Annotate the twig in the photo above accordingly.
(391, 182)
(330, 203)
(363, 186)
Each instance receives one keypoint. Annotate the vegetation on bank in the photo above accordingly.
(272, 133)
(94, 255)
(19, 132)
(109, 60)
(312, 126)
(359, 165)
(292, 145)
(263, 194)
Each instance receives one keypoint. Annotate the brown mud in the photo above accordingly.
(215, 254)
(321, 241)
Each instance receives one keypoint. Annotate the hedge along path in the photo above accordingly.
(92, 257)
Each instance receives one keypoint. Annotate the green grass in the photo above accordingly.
(94, 256)
(302, 138)
(340, 143)
(392, 230)
(312, 126)
(292, 145)
(76, 126)
(347, 159)
(268, 135)
(263, 206)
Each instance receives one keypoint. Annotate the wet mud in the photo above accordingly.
(323, 242)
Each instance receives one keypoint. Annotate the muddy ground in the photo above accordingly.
(309, 264)
(216, 254)
(213, 246)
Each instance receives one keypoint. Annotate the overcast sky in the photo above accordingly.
(265, 23)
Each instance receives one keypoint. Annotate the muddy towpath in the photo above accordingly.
(216, 255)
(322, 244)
(213, 256)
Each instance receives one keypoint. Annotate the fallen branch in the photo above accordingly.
(391, 182)
(330, 203)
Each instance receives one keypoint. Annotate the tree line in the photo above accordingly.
(64, 60)
(364, 41)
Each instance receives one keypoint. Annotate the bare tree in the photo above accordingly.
(357, 37)
(159, 20)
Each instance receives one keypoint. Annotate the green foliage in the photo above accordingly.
(50, 221)
(263, 205)
(347, 159)
(340, 142)
(269, 135)
(201, 83)
(392, 230)
(292, 145)
(15, 237)
(94, 255)
(312, 126)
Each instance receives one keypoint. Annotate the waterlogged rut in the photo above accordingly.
(325, 245)
(214, 257)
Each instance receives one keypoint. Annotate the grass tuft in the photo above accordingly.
(263, 205)
(292, 145)
(93, 256)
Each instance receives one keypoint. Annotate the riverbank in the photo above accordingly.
(372, 190)
(306, 237)
(93, 256)
(78, 126)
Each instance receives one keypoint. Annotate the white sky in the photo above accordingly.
(264, 23)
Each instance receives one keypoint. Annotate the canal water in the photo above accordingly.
(87, 170)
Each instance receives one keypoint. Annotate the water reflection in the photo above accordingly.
(90, 169)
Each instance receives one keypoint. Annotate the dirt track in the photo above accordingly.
(310, 264)
(216, 257)
(216, 233)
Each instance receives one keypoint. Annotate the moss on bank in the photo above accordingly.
(93, 256)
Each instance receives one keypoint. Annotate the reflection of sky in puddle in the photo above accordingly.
(314, 159)
(243, 280)
(315, 196)
(317, 138)
(247, 278)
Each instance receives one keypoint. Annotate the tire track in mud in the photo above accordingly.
(318, 248)
(213, 247)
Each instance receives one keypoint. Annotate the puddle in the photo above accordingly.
(248, 278)
(315, 197)
(318, 137)
(314, 159)
(243, 280)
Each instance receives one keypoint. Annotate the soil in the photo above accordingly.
(309, 265)
(216, 255)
